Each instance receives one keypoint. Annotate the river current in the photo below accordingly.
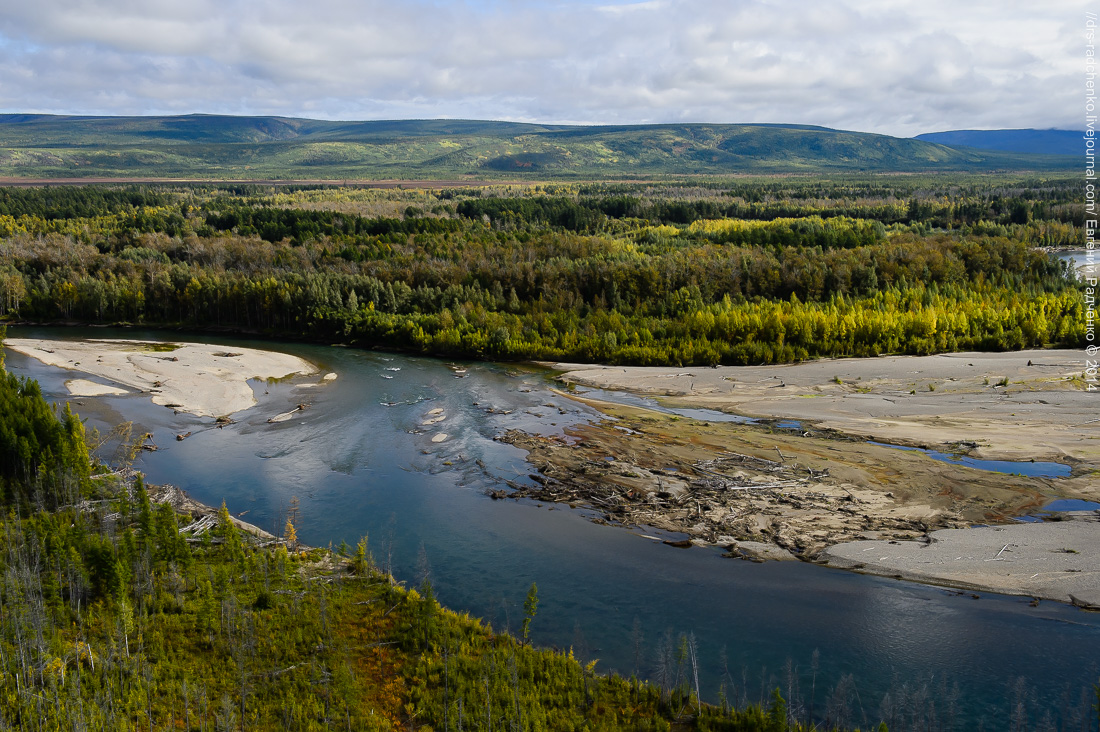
(361, 462)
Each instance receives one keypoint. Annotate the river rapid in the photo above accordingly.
(361, 462)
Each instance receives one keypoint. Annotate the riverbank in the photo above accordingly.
(201, 379)
(203, 516)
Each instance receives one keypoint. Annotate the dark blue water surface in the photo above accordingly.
(1071, 504)
(1028, 468)
(360, 467)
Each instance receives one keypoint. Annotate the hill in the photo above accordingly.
(1037, 142)
(212, 146)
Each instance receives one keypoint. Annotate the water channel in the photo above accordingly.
(361, 463)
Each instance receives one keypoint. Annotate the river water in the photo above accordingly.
(1078, 259)
(361, 463)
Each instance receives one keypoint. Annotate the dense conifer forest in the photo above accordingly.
(738, 272)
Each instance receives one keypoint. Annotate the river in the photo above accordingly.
(1078, 259)
(361, 463)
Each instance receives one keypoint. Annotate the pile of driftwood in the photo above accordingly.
(729, 496)
(713, 477)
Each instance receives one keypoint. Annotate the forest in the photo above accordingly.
(746, 271)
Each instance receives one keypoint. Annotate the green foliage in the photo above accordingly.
(530, 609)
(747, 272)
(211, 146)
(43, 455)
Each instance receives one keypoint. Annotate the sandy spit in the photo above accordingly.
(203, 379)
(1056, 561)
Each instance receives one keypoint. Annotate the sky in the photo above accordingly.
(898, 67)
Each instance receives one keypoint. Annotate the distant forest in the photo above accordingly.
(746, 271)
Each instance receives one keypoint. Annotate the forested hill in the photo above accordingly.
(212, 146)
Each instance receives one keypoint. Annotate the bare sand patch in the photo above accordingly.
(1056, 561)
(85, 388)
(198, 378)
(1016, 405)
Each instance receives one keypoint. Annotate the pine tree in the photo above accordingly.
(530, 609)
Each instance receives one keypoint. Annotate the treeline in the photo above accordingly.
(941, 203)
(120, 613)
(1050, 212)
(509, 274)
(276, 224)
(556, 297)
(43, 455)
(592, 214)
(74, 202)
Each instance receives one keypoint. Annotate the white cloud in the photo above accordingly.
(895, 66)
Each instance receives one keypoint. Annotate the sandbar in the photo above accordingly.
(1018, 405)
(821, 490)
(86, 388)
(1057, 561)
(199, 378)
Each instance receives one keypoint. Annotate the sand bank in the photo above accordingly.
(85, 388)
(202, 379)
(1018, 405)
(1056, 561)
(723, 483)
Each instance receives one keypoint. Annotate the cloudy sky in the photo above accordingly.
(895, 66)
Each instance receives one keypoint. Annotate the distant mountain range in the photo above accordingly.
(1039, 142)
(225, 147)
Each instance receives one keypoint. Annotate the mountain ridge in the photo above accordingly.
(219, 146)
(1040, 142)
